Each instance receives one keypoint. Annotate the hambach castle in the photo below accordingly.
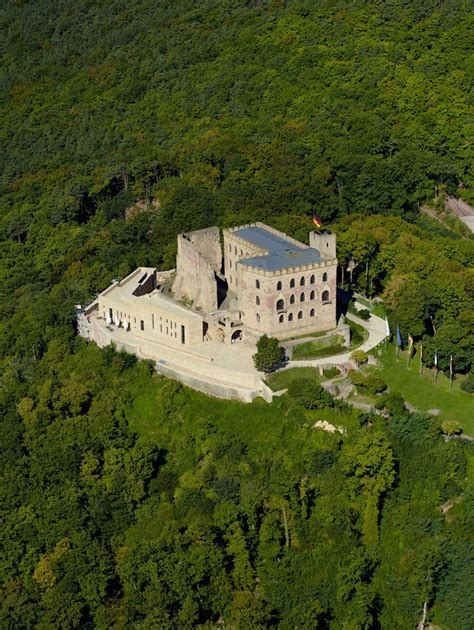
(263, 282)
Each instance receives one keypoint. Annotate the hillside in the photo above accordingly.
(265, 108)
(130, 501)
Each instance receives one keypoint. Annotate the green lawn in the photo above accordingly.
(281, 380)
(358, 334)
(313, 350)
(311, 334)
(422, 392)
(378, 308)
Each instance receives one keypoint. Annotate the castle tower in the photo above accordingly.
(324, 242)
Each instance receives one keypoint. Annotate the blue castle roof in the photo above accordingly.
(282, 253)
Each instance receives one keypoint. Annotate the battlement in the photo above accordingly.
(291, 270)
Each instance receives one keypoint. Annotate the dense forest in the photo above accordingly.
(130, 501)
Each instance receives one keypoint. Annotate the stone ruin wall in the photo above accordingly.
(198, 260)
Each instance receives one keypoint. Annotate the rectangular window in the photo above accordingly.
(183, 335)
(167, 331)
(134, 320)
(161, 328)
(142, 325)
(153, 322)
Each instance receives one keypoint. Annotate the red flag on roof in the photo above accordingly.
(317, 221)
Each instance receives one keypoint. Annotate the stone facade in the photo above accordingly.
(138, 305)
(199, 259)
(283, 302)
(263, 282)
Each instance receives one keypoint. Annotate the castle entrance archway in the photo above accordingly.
(236, 336)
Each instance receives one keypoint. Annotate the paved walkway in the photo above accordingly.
(376, 329)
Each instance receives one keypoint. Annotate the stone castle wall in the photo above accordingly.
(197, 262)
(236, 248)
(259, 304)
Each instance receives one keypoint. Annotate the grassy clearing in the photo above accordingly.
(379, 309)
(281, 380)
(422, 392)
(313, 350)
(314, 334)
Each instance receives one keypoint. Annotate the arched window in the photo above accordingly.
(230, 264)
(290, 317)
(302, 297)
(280, 319)
(258, 317)
(325, 296)
(312, 295)
(302, 281)
(257, 284)
(241, 253)
(280, 305)
(312, 279)
(230, 247)
(292, 283)
(279, 285)
(311, 313)
(292, 299)
(257, 301)
(325, 277)
(300, 315)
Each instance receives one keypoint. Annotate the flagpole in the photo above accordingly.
(410, 346)
(421, 357)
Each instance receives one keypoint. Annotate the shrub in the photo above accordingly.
(393, 403)
(468, 384)
(331, 372)
(451, 427)
(359, 356)
(374, 384)
(364, 313)
(309, 394)
(356, 378)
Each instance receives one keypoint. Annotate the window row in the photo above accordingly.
(122, 320)
(300, 315)
(280, 304)
(279, 285)
(281, 318)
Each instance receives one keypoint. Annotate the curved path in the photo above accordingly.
(375, 326)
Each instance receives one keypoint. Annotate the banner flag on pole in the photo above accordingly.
(421, 357)
(436, 359)
(399, 337)
(387, 328)
(451, 371)
(317, 221)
